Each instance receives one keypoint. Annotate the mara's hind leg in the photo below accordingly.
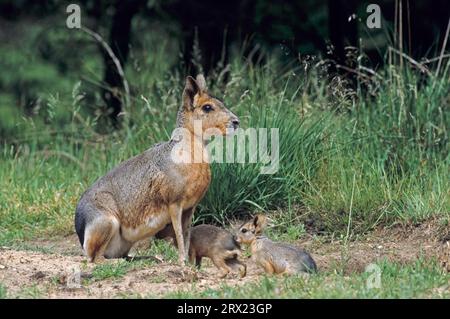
(194, 258)
(231, 258)
(237, 265)
(220, 263)
(192, 255)
(98, 235)
(268, 267)
(118, 247)
(198, 261)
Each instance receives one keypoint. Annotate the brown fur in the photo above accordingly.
(273, 257)
(146, 193)
(217, 244)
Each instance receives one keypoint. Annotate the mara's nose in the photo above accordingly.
(235, 122)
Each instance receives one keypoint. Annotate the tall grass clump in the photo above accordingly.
(392, 162)
(407, 122)
(243, 188)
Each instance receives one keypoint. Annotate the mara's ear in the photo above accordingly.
(191, 88)
(201, 82)
(260, 222)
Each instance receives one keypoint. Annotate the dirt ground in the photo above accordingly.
(50, 268)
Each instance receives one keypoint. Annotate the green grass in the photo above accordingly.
(3, 291)
(111, 270)
(31, 292)
(163, 249)
(116, 269)
(346, 165)
(422, 279)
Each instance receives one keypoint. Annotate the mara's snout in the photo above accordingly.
(234, 123)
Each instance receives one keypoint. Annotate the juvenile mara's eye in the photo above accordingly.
(244, 230)
(207, 108)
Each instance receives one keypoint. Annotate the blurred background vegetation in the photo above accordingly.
(40, 55)
(363, 113)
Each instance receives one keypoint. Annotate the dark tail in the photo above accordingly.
(310, 264)
(80, 224)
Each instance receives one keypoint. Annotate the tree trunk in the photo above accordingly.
(208, 20)
(342, 31)
(119, 40)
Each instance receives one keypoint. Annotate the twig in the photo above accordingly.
(395, 23)
(346, 68)
(373, 72)
(400, 33)
(412, 61)
(443, 48)
(409, 28)
(356, 71)
(426, 61)
(48, 153)
(350, 209)
(115, 60)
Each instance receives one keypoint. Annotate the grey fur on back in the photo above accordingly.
(123, 189)
(294, 257)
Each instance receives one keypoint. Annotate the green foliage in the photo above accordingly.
(3, 291)
(407, 123)
(164, 249)
(118, 268)
(30, 292)
(111, 270)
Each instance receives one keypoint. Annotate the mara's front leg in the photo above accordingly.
(176, 212)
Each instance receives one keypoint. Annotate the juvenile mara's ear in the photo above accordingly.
(201, 82)
(260, 222)
(191, 88)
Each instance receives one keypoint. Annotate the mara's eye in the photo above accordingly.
(244, 230)
(207, 108)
